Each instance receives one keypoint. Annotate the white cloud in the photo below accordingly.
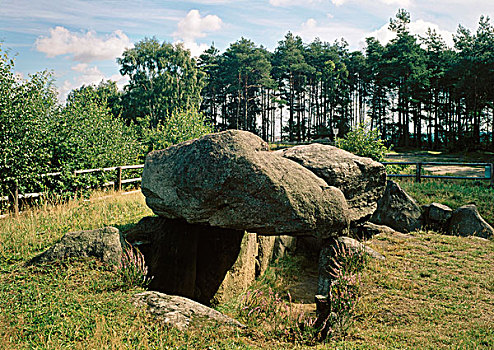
(419, 27)
(397, 2)
(192, 27)
(195, 49)
(88, 76)
(82, 47)
(292, 2)
(329, 32)
(400, 3)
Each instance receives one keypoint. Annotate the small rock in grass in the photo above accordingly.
(103, 244)
(437, 216)
(178, 311)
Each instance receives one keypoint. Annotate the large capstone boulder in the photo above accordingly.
(231, 180)
(361, 180)
(397, 210)
(466, 221)
(104, 244)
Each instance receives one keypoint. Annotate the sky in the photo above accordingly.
(80, 40)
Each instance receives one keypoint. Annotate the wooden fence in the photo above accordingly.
(15, 196)
(488, 171)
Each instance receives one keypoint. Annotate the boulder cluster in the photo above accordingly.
(226, 206)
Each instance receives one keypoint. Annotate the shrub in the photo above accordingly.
(364, 142)
(38, 135)
(88, 137)
(178, 127)
(26, 108)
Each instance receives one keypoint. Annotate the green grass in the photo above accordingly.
(431, 292)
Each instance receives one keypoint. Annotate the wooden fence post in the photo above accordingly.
(118, 181)
(16, 198)
(418, 172)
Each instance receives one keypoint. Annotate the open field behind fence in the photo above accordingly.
(15, 196)
(438, 170)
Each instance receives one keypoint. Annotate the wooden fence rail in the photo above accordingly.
(15, 196)
(488, 168)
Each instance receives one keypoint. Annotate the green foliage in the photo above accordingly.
(39, 136)
(163, 80)
(364, 142)
(86, 136)
(180, 126)
(26, 110)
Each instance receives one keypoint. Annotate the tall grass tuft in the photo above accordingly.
(133, 270)
(266, 310)
(338, 313)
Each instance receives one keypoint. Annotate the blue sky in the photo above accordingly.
(79, 40)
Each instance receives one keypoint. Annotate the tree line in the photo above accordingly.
(415, 89)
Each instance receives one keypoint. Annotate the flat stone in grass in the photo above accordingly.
(103, 244)
(180, 312)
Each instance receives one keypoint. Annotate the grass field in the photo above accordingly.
(432, 291)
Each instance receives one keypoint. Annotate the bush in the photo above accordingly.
(37, 135)
(364, 142)
(26, 109)
(88, 137)
(178, 127)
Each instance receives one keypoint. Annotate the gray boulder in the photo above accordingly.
(355, 246)
(361, 180)
(397, 210)
(180, 312)
(103, 244)
(231, 180)
(284, 245)
(466, 221)
(437, 216)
